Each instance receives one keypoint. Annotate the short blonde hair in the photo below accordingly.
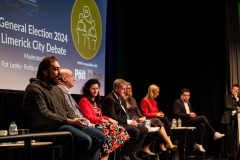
(128, 83)
(130, 95)
(151, 88)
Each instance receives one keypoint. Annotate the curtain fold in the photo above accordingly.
(233, 43)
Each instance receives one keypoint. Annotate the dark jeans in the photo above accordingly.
(87, 142)
(201, 123)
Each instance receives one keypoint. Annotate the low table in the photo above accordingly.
(27, 145)
(176, 139)
(21, 145)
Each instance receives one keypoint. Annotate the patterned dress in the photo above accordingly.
(116, 135)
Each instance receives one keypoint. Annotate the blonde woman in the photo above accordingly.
(149, 109)
(136, 114)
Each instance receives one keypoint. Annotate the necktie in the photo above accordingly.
(124, 109)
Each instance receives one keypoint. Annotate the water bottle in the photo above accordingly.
(148, 124)
(179, 122)
(13, 128)
(174, 123)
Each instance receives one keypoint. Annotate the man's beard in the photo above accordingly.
(53, 81)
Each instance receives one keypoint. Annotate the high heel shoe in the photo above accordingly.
(162, 148)
(171, 148)
(149, 153)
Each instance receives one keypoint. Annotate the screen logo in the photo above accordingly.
(80, 74)
(86, 28)
(94, 75)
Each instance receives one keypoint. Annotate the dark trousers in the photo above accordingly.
(201, 123)
(229, 143)
(167, 126)
(137, 137)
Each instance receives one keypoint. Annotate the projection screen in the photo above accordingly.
(71, 30)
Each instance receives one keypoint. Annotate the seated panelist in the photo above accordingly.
(182, 109)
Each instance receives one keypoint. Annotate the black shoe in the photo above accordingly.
(230, 156)
(123, 157)
(134, 156)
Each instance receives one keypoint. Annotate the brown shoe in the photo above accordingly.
(171, 148)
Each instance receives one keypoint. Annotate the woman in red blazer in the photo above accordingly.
(90, 105)
(150, 110)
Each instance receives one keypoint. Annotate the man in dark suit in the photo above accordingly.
(229, 143)
(182, 109)
(114, 106)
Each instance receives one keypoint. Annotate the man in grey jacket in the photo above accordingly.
(48, 110)
(66, 81)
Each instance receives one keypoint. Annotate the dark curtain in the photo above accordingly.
(115, 55)
(11, 109)
(179, 44)
(230, 143)
(233, 45)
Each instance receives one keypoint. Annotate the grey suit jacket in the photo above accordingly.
(72, 103)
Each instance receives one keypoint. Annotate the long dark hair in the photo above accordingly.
(45, 65)
(86, 93)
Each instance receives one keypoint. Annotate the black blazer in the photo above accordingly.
(228, 108)
(111, 107)
(179, 110)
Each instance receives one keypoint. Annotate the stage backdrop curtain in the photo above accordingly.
(233, 45)
(115, 50)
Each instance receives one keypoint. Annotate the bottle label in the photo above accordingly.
(174, 123)
(13, 129)
(148, 123)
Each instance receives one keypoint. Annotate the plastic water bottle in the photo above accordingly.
(179, 122)
(174, 123)
(148, 124)
(13, 128)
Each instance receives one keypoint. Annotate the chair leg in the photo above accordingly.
(194, 154)
(61, 152)
(185, 140)
(203, 156)
(53, 152)
(114, 155)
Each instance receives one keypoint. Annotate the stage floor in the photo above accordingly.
(193, 158)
